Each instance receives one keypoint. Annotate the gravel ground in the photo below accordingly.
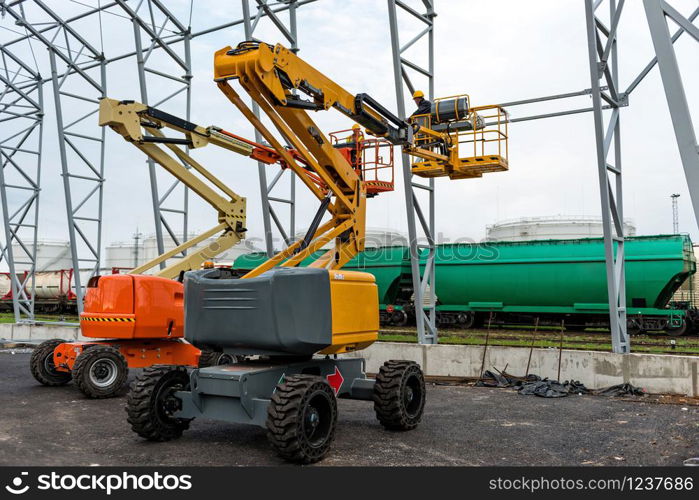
(462, 426)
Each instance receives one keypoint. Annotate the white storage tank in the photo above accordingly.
(551, 228)
(122, 254)
(50, 254)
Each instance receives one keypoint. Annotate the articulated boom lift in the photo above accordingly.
(282, 325)
(279, 316)
(142, 317)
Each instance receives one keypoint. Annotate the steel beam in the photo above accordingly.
(421, 255)
(602, 58)
(21, 115)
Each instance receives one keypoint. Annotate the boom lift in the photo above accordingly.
(287, 324)
(142, 317)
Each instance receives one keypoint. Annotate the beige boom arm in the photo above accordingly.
(141, 126)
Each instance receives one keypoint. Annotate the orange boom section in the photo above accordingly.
(131, 306)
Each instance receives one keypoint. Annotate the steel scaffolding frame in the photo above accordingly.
(159, 25)
(73, 61)
(21, 112)
(423, 283)
(269, 214)
(78, 62)
(82, 168)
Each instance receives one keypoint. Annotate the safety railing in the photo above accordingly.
(488, 135)
(372, 158)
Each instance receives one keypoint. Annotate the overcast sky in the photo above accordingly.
(496, 51)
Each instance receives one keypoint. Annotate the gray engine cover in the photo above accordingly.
(285, 311)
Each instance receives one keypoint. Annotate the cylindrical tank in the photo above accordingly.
(51, 284)
(563, 273)
(123, 255)
(150, 249)
(50, 254)
(450, 109)
(5, 286)
(550, 228)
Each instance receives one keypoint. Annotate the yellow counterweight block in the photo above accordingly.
(354, 301)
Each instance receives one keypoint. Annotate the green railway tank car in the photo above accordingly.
(552, 280)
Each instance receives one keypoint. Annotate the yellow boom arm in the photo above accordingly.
(273, 76)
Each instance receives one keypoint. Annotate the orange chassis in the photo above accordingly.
(138, 353)
(142, 316)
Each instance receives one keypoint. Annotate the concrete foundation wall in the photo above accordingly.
(34, 333)
(656, 373)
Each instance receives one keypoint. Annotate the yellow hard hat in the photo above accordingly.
(355, 126)
(418, 93)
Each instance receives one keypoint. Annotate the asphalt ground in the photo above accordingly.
(462, 425)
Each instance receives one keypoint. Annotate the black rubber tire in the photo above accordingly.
(93, 362)
(42, 367)
(301, 418)
(399, 395)
(147, 399)
(211, 358)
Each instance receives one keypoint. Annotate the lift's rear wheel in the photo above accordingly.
(151, 403)
(100, 371)
(301, 418)
(399, 395)
(210, 358)
(42, 366)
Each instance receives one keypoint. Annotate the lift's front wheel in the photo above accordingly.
(42, 366)
(100, 371)
(399, 395)
(301, 418)
(151, 403)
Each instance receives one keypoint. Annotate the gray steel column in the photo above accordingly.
(602, 53)
(269, 213)
(674, 89)
(21, 116)
(423, 283)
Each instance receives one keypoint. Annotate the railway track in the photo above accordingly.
(552, 339)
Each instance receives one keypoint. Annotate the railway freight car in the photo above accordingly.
(556, 280)
(552, 280)
(54, 291)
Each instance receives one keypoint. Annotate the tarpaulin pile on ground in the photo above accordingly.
(546, 388)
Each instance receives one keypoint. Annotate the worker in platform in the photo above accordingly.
(424, 107)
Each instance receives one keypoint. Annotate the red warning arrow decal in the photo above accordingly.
(335, 380)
